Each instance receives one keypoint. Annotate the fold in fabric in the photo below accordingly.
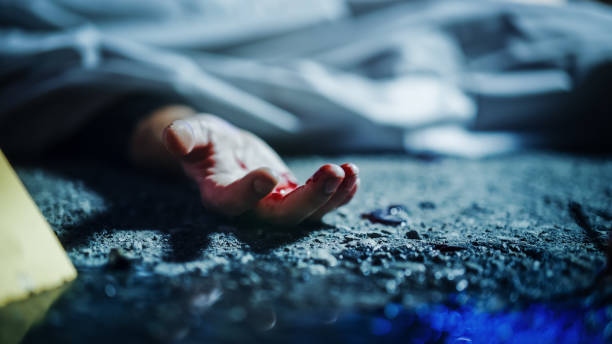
(307, 75)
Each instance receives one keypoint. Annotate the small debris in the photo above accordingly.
(322, 256)
(391, 286)
(473, 267)
(461, 285)
(110, 290)
(427, 205)
(412, 234)
(448, 248)
(317, 269)
(246, 258)
(577, 213)
(118, 260)
(391, 216)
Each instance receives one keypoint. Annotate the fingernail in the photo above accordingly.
(184, 132)
(331, 186)
(262, 186)
(354, 168)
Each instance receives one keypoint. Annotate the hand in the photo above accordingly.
(237, 172)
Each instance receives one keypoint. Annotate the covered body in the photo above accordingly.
(393, 78)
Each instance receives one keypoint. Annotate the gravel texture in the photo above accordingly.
(496, 235)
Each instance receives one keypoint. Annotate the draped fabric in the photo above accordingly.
(314, 74)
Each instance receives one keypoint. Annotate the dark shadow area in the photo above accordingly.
(139, 199)
(263, 237)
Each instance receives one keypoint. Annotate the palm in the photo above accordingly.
(236, 152)
(237, 172)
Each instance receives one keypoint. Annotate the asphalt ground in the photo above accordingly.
(431, 250)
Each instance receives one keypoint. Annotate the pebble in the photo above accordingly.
(391, 216)
(391, 286)
(444, 248)
(461, 285)
(246, 258)
(317, 269)
(412, 234)
(110, 290)
(322, 256)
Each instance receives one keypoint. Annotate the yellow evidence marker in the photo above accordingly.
(31, 257)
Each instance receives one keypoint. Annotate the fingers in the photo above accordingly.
(179, 137)
(303, 201)
(183, 135)
(351, 193)
(241, 195)
(343, 195)
(195, 138)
